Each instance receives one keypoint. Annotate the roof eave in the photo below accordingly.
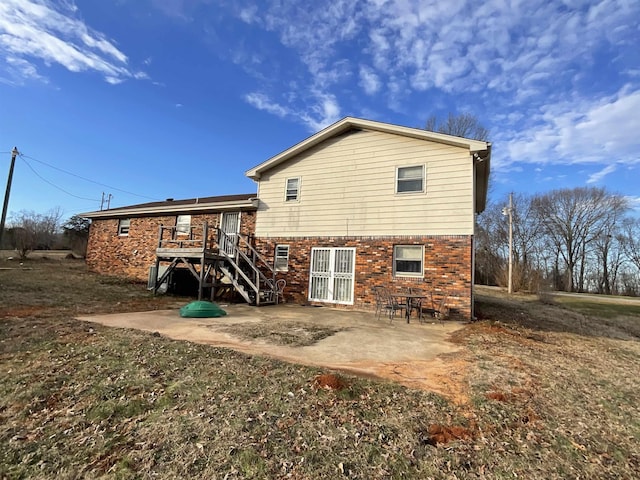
(250, 204)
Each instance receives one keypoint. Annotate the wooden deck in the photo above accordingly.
(169, 253)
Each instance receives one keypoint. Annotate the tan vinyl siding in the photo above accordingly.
(348, 186)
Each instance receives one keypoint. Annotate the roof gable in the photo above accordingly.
(351, 123)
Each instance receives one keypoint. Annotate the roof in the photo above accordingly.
(479, 150)
(246, 201)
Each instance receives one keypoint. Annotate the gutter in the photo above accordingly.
(251, 204)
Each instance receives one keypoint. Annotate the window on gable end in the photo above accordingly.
(410, 179)
(292, 193)
(281, 263)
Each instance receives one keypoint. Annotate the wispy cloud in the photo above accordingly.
(322, 111)
(596, 177)
(578, 131)
(33, 31)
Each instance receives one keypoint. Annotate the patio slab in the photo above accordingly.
(396, 350)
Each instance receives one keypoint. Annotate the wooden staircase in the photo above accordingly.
(212, 258)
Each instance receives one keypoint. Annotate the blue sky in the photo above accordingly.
(150, 99)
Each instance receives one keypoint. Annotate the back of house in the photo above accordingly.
(359, 204)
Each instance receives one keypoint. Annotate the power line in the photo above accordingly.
(53, 184)
(86, 179)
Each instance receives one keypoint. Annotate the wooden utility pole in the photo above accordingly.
(508, 211)
(14, 154)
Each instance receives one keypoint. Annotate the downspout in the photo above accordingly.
(474, 158)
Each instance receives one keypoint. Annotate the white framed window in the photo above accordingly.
(123, 226)
(408, 260)
(292, 192)
(281, 263)
(410, 179)
(183, 224)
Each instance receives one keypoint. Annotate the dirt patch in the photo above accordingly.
(330, 382)
(440, 434)
(20, 312)
(295, 334)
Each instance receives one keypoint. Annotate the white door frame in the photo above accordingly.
(330, 276)
(231, 237)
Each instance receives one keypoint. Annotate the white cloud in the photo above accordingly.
(596, 177)
(262, 102)
(323, 110)
(574, 132)
(524, 63)
(633, 201)
(51, 32)
(369, 80)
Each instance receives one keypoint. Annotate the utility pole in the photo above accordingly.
(509, 211)
(14, 154)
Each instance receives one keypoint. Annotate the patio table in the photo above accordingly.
(408, 297)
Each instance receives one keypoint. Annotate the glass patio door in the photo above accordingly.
(332, 275)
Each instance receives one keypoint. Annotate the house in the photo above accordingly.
(358, 204)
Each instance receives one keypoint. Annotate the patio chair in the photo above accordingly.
(441, 311)
(280, 284)
(391, 305)
(416, 303)
(378, 293)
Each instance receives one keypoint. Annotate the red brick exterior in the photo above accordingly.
(447, 261)
(131, 255)
(447, 267)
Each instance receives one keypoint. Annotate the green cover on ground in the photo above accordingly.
(201, 309)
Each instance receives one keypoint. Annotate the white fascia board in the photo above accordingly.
(191, 207)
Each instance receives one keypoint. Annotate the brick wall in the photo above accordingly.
(447, 267)
(132, 255)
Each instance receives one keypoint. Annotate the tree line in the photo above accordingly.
(577, 240)
(28, 230)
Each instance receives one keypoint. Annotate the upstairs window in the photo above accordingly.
(410, 179)
(123, 227)
(408, 260)
(183, 224)
(292, 193)
(282, 258)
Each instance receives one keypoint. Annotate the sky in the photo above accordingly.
(143, 100)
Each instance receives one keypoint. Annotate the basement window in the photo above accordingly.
(281, 263)
(408, 260)
(123, 227)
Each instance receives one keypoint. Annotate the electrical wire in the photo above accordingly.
(53, 184)
(87, 179)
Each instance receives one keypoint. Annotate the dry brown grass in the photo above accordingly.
(545, 398)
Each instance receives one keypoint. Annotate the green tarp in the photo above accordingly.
(201, 309)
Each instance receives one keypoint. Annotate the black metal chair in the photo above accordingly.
(416, 303)
(392, 305)
(439, 310)
(378, 293)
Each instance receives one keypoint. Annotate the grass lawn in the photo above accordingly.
(553, 392)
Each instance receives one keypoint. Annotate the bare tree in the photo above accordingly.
(461, 125)
(32, 231)
(572, 219)
(606, 242)
(630, 240)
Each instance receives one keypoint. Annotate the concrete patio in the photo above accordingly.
(365, 345)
